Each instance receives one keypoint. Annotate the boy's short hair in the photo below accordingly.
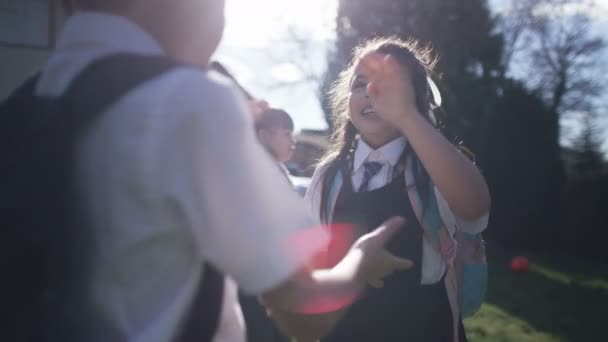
(67, 6)
(274, 119)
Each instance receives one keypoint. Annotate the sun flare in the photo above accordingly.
(256, 48)
(256, 24)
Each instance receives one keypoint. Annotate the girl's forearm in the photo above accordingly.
(456, 177)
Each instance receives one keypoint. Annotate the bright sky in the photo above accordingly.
(257, 43)
(260, 52)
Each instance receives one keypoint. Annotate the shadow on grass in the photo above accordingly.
(562, 297)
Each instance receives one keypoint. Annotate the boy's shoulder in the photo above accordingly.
(198, 79)
(191, 88)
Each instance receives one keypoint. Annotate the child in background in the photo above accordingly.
(274, 129)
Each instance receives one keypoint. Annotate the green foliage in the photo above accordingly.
(524, 169)
(588, 161)
(493, 324)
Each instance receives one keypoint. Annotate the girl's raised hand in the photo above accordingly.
(257, 107)
(389, 87)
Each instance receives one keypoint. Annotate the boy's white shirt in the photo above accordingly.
(174, 177)
(433, 267)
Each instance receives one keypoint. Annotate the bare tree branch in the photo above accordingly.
(561, 53)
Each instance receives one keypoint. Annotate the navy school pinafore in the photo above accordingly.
(402, 310)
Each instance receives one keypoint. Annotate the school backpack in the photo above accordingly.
(467, 273)
(45, 249)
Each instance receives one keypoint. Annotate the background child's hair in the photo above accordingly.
(274, 119)
(420, 62)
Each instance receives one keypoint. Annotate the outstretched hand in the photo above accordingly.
(377, 262)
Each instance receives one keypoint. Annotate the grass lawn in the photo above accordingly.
(558, 299)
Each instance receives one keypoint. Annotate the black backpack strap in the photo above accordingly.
(94, 90)
(20, 97)
(105, 81)
(24, 91)
(203, 319)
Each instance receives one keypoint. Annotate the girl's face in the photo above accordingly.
(373, 130)
(279, 141)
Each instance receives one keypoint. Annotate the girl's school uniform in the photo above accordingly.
(412, 305)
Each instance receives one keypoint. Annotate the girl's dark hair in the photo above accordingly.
(420, 62)
(274, 119)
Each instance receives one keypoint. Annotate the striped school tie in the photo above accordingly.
(371, 169)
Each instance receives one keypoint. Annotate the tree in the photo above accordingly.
(586, 192)
(551, 43)
(588, 160)
(550, 47)
(524, 170)
(300, 51)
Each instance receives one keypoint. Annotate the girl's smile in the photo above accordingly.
(369, 112)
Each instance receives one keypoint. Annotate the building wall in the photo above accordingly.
(16, 63)
(310, 147)
(305, 157)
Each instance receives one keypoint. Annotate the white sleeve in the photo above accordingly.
(454, 222)
(233, 199)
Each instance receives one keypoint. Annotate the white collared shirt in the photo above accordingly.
(174, 177)
(388, 155)
(433, 266)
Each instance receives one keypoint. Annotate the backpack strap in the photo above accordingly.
(427, 213)
(21, 97)
(434, 231)
(107, 79)
(99, 86)
(336, 187)
(204, 316)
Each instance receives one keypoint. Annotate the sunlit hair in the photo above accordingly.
(410, 54)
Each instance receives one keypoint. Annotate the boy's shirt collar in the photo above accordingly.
(116, 32)
(86, 36)
(389, 153)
